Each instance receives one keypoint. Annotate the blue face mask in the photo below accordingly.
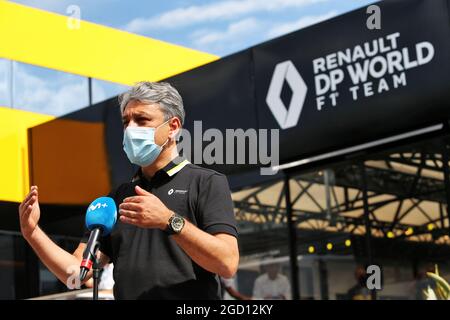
(140, 146)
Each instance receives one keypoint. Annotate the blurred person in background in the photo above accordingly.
(359, 291)
(271, 285)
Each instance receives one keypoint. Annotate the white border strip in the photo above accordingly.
(359, 147)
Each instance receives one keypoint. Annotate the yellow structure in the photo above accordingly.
(13, 143)
(58, 42)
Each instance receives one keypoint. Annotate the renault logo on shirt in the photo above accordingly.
(286, 117)
(177, 191)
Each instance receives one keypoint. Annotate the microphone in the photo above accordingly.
(101, 216)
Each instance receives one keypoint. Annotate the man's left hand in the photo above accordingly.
(144, 210)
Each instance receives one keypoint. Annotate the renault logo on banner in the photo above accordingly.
(286, 117)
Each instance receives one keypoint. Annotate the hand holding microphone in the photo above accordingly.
(101, 216)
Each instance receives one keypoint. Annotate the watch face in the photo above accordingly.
(177, 224)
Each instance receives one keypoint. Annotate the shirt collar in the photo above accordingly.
(172, 168)
(175, 166)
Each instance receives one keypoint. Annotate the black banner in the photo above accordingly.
(358, 85)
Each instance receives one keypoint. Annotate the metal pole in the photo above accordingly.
(292, 241)
(323, 276)
(90, 90)
(96, 276)
(326, 180)
(328, 185)
(368, 237)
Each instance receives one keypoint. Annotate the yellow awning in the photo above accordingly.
(49, 40)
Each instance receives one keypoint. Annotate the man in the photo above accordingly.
(228, 286)
(176, 231)
(359, 291)
(272, 285)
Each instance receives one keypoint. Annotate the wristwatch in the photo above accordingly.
(175, 224)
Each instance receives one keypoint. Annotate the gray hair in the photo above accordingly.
(162, 93)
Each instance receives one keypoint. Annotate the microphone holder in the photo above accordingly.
(96, 276)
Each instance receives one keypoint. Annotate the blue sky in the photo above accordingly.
(220, 27)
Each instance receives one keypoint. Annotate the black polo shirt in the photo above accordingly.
(148, 263)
